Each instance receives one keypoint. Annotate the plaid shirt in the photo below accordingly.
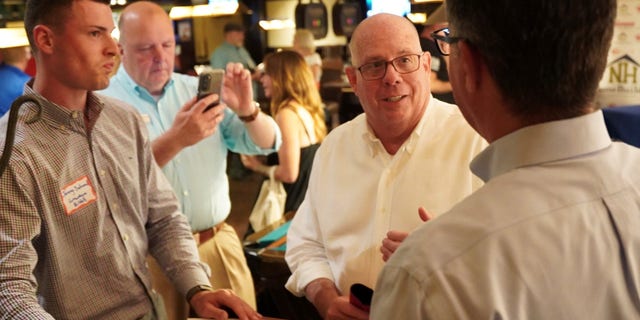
(79, 212)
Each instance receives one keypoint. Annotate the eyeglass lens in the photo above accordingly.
(378, 69)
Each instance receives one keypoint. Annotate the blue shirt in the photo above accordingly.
(197, 173)
(227, 52)
(12, 80)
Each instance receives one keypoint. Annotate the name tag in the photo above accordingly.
(145, 118)
(77, 194)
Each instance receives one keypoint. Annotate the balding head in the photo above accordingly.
(382, 29)
(137, 11)
(147, 45)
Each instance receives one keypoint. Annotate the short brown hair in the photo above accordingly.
(52, 13)
(546, 56)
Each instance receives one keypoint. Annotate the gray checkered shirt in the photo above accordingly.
(80, 212)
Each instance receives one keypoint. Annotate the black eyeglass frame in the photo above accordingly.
(390, 62)
(446, 39)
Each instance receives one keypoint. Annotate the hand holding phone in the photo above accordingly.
(209, 82)
(360, 296)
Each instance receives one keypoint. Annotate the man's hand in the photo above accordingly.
(324, 295)
(210, 304)
(340, 308)
(237, 90)
(394, 238)
(190, 125)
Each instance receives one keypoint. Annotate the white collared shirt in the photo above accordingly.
(358, 192)
(553, 234)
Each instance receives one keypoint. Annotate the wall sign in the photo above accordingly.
(620, 84)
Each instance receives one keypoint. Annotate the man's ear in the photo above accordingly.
(426, 60)
(43, 38)
(471, 62)
(352, 77)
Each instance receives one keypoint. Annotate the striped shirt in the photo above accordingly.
(79, 212)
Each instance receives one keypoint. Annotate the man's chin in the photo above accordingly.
(100, 85)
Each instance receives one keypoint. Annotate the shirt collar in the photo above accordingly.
(60, 117)
(375, 145)
(541, 143)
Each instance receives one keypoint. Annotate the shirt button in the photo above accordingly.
(102, 173)
(125, 237)
(74, 115)
(185, 193)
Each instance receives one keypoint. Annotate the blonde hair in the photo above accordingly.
(293, 82)
(303, 39)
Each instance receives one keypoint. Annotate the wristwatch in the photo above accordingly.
(253, 115)
(192, 292)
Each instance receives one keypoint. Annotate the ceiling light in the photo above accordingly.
(417, 18)
(277, 24)
(13, 37)
(204, 10)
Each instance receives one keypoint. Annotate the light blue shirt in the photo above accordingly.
(227, 52)
(197, 173)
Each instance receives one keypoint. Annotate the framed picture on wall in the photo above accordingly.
(184, 30)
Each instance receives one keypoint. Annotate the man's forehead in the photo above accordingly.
(367, 53)
(91, 14)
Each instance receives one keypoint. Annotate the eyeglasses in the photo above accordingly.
(377, 69)
(444, 40)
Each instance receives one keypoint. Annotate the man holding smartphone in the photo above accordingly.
(189, 143)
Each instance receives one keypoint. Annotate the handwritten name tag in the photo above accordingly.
(77, 194)
(146, 119)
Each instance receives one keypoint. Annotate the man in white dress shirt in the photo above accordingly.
(553, 233)
(370, 176)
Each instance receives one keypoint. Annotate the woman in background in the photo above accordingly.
(303, 44)
(297, 108)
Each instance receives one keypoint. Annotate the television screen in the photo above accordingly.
(397, 7)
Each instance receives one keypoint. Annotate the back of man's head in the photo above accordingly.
(15, 56)
(546, 56)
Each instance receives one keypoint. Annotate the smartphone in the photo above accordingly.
(210, 81)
